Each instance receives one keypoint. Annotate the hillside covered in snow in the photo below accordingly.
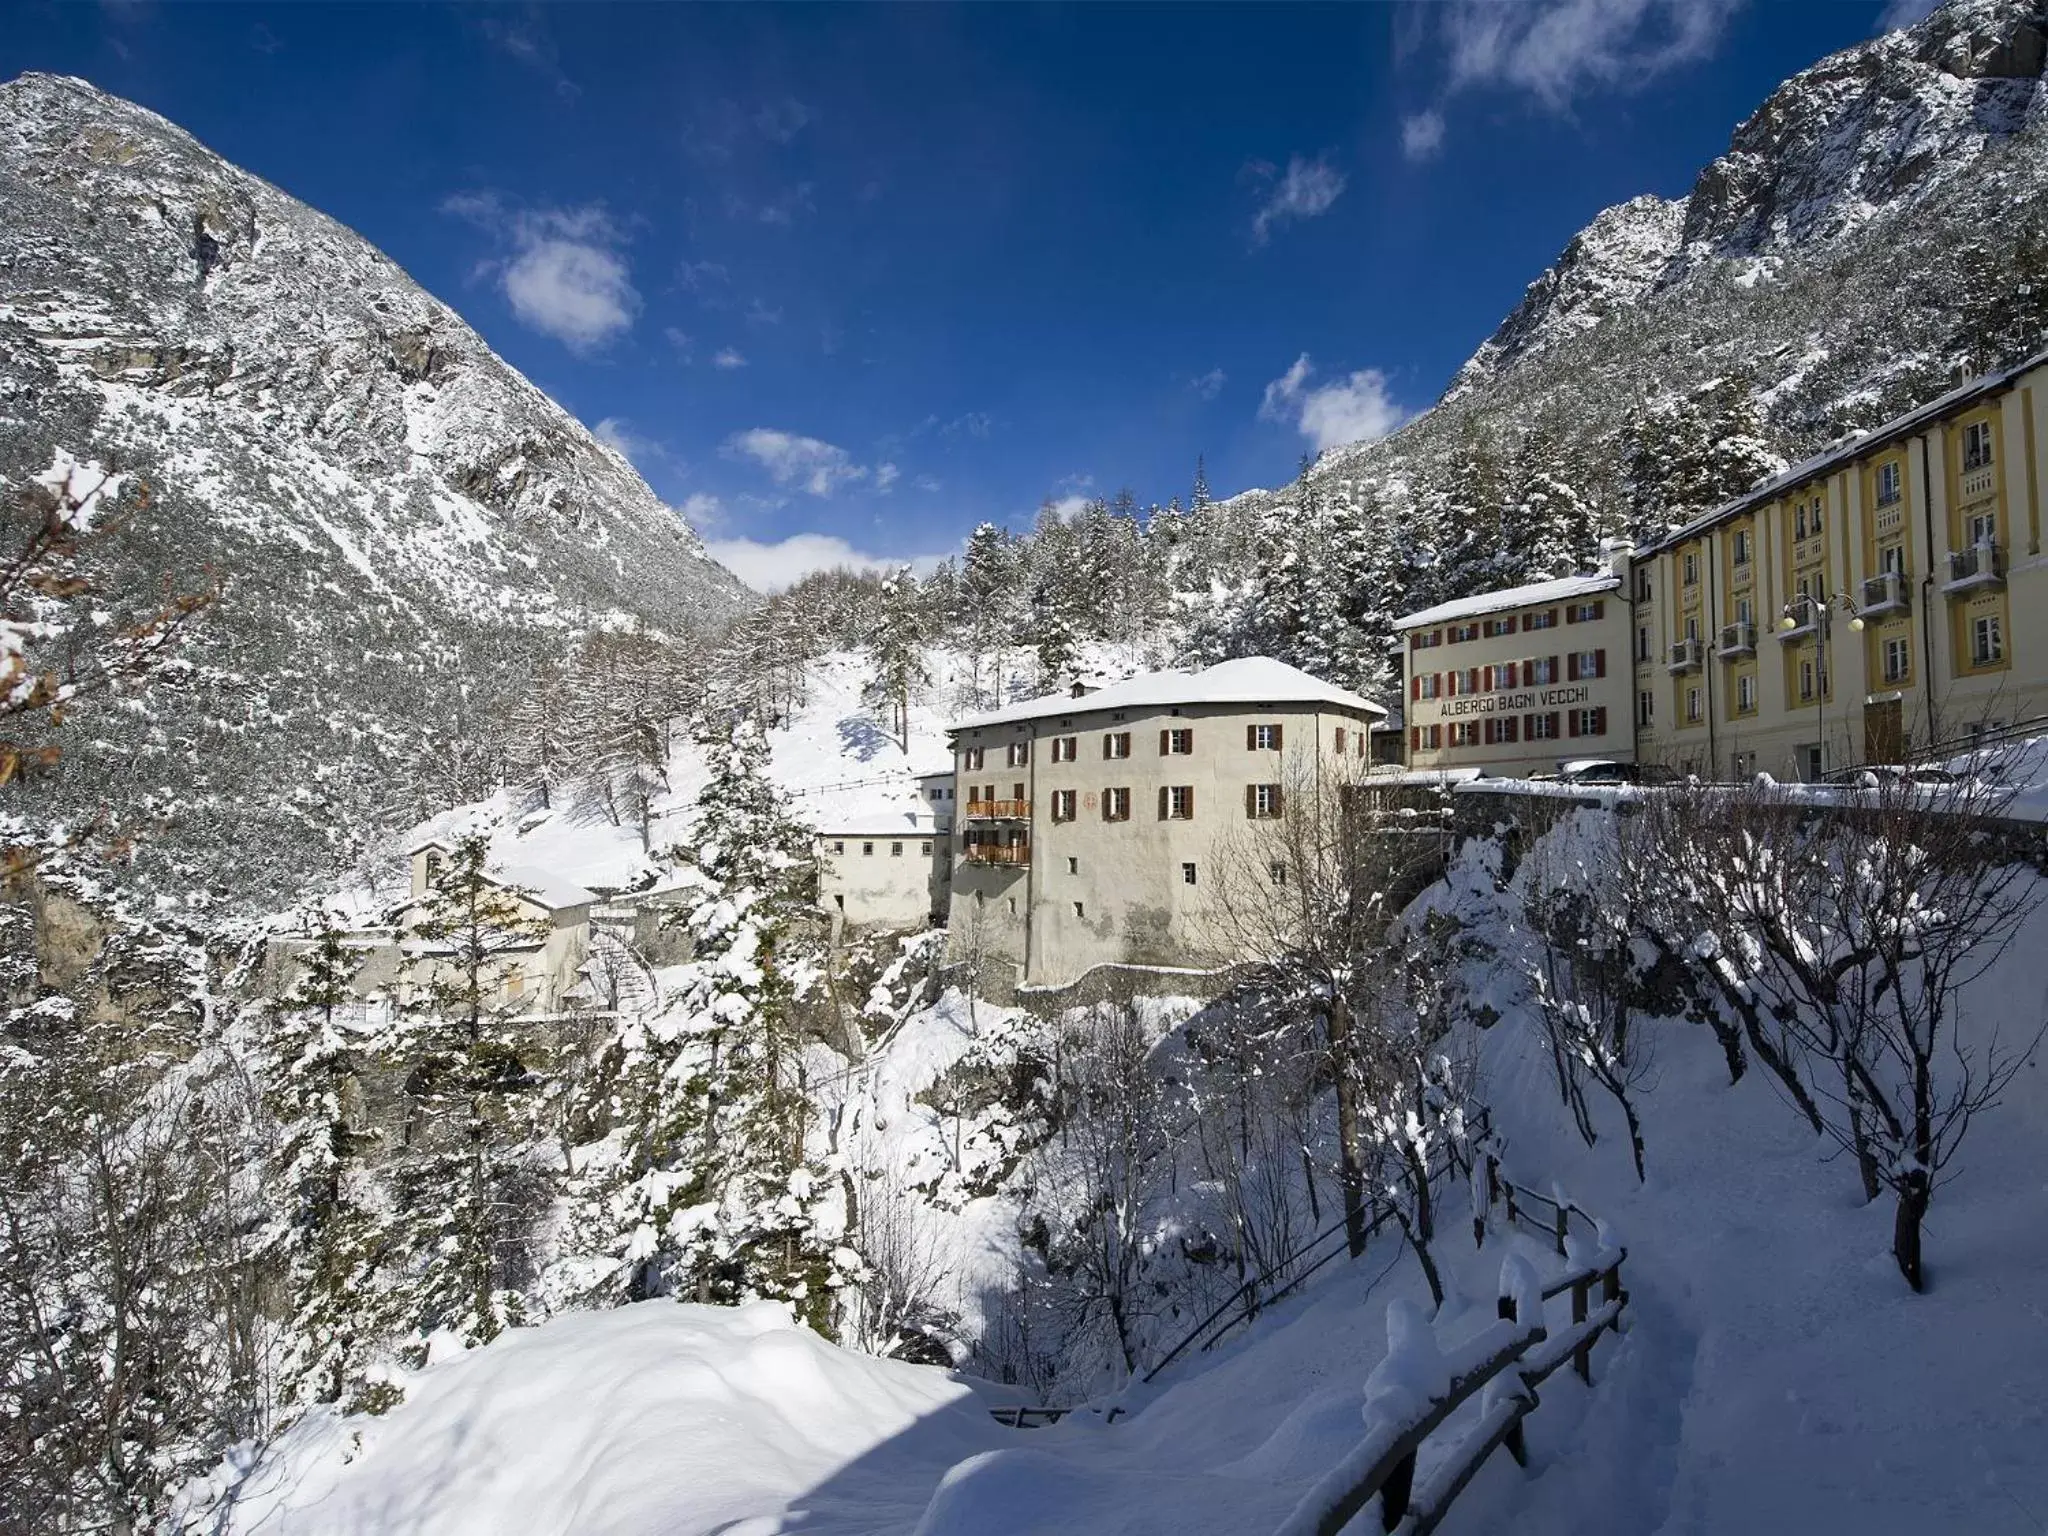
(400, 527)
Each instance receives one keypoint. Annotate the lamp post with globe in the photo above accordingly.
(1817, 614)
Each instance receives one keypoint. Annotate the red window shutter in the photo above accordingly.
(1191, 802)
(1251, 793)
(1600, 663)
(1251, 738)
(1105, 805)
(1553, 669)
(1277, 793)
(1571, 721)
(1162, 743)
(1276, 737)
(1450, 685)
(1600, 721)
(1162, 802)
(1415, 686)
(1414, 738)
(1489, 684)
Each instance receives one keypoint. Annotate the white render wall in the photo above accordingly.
(879, 879)
(1098, 892)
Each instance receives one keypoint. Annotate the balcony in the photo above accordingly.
(1979, 480)
(1737, 639)
(1886, 592)
(998, 810)
(1685, 655)
(1001, 855)
(1981, 565)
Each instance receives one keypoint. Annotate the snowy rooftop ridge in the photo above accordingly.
(1561, 589)
(1247, 680)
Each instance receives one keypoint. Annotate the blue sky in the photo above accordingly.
(847, 281)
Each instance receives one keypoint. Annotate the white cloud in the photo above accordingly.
(759, 313)
(680, 340)
(886, 475)
(1557, 49)
(771, 567)
(1065, 508)
(812, 465)
(782, 120)
(729, 357)
(703, 511)
(1422, 135)
(1304, 191)
(1356, 409)
(564, 276)
(1208, 385)
(622, 440)
(1904, 13)
(926, 483)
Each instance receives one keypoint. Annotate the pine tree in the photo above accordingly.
(715, 1198)
(1198, 499)
(472, 1095)
(895, 650)
(331, 1234)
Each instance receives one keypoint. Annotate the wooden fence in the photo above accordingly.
(1507, 1362)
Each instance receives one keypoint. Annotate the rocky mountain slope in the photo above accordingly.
(399, 523)
(1878, 227)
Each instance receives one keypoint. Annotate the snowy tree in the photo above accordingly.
(472, 1096)
(895, 649)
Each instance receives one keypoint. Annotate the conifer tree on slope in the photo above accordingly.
(473, 1098)
(715, 1199)
(895, 650)
(330, 1233)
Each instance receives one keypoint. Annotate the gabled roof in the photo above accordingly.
(1536, 593)
(543, 888)
(1248, 680)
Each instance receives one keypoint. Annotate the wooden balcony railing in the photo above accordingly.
(999, 810)
(1007, 855)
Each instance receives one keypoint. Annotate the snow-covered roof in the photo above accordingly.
(549, 890)
(1535, 594)
(1830, 459)
(1248, 680)
(878, 821)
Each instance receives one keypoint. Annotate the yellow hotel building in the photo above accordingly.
(1888, 594)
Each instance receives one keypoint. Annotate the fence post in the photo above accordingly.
(1610, 1290)
(1582, 1357)
(1562, 1229)
(1394, 1492)
(1516, 1442)
(1513, 1214)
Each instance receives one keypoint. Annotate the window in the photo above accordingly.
(1080, 909)
(1983, 529)
(1809, 684)
(1116, 805)
(1065, 749)
(1463, 632)
(1799, 521)
(1545, 618)
(1692, 626)
(1116, 744)
(1745, 694)
(1500, 730)
(973, 759)
(925, 849)
(1427, 639)
(1887, 487)
(1692, 568)
(867, 850)
(1643, 585)
(1436, 738)
(1176, 802)
(1187, 874)
(1897, 659)
(839, 901)
(1543, 727)
(1892, 559)
(839, 847)
(1818, 514)
(1987, 641)
(1428, 685)
(1262, 738)
(1495, 628)
(1977, 445)
(1468, 680)
(1646, 707)
(1586, 665)
(1643, 643)
(1465, 734)
(1589, 722)
(1278, 872)
(1540, 670)
(1585, 613)
(1741, 764)
(1692, 706)
(895, 850)
(1063, 804)
(1176, 743)
(1742, 546)
(1342, 740)
(1019, 753)
(1743, 612)
(1262, 801)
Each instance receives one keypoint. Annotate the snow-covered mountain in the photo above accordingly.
(399, 523)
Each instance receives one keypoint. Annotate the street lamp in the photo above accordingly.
(1819, 613)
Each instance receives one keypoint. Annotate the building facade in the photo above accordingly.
(1888, 595)
(1088, 828)
(1521, 681)
(882, 870)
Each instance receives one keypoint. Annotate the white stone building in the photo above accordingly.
(881, 869)
(1088, 827)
